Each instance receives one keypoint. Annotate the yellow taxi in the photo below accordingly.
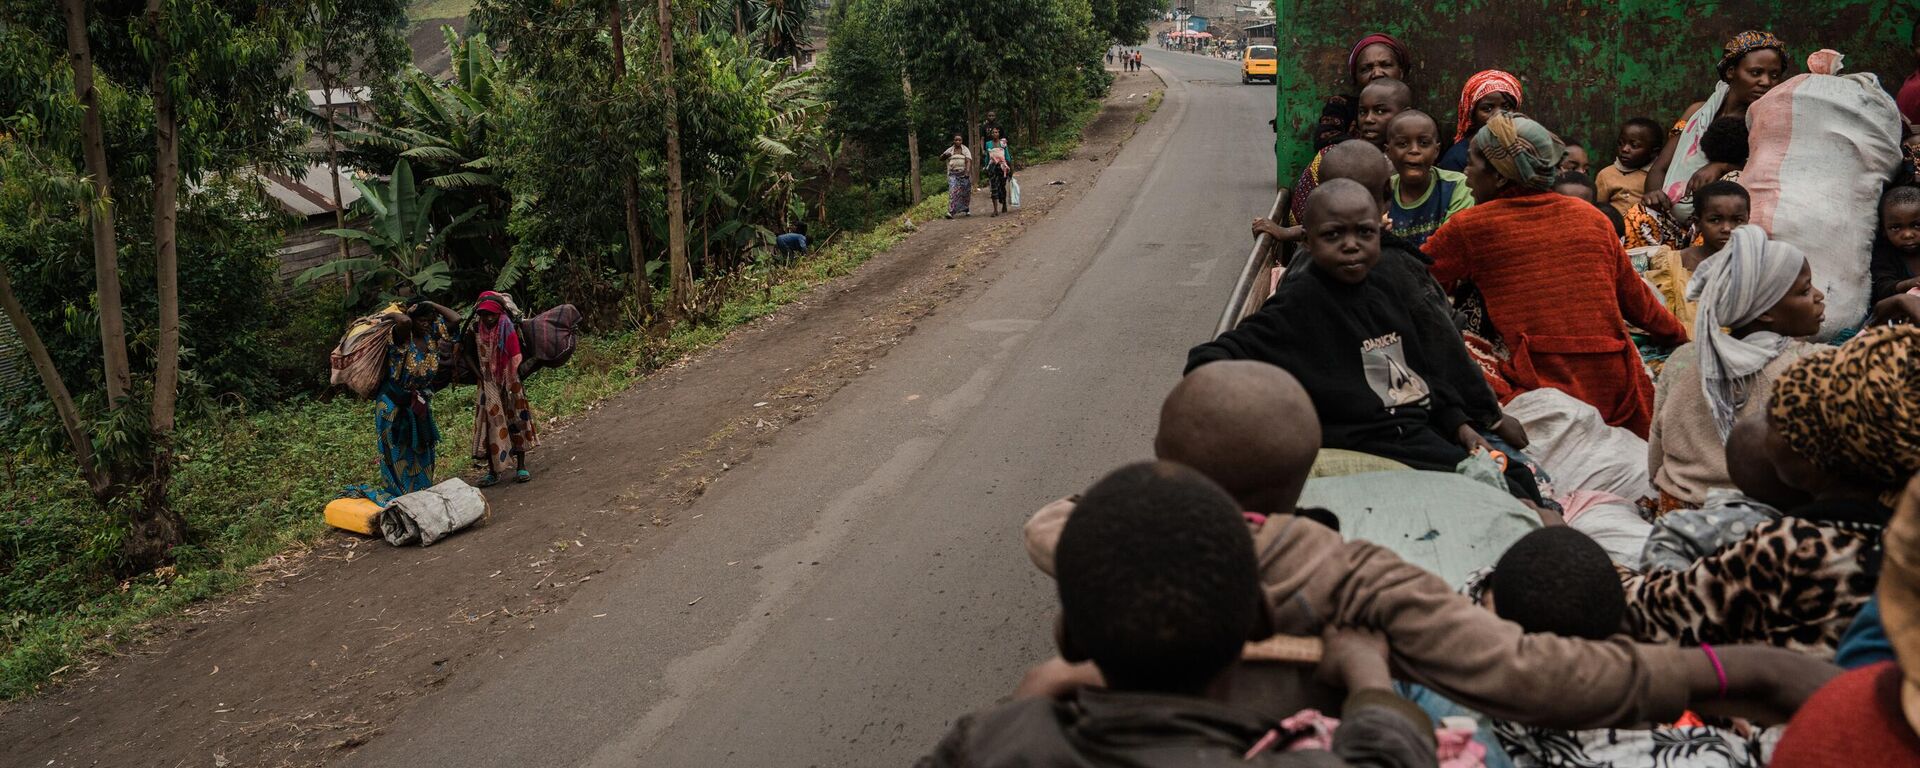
(1262, 62)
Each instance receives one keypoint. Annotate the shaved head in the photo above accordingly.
(1248, 426)
(1357, 160)
(1388, 91)
(1339, 195)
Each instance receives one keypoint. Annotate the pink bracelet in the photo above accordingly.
(1718, 671)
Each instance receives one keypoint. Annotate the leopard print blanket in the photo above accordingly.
(1794, 583)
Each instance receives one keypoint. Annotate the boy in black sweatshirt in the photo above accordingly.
(1356, 348)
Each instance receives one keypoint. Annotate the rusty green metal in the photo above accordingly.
(1586, 65)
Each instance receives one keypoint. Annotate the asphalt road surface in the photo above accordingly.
(864, 584)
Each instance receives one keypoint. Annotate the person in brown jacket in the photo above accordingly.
(1159, 590)
(1251, 428)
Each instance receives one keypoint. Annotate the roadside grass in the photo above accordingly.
(1153, 105)
(252, 483)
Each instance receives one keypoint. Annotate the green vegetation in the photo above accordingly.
(114, 514)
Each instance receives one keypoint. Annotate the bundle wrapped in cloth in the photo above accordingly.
(425, 517)
(359, 361)
(1822, 146)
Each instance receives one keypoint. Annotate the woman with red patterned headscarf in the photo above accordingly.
(503, 419)
(1485, 93)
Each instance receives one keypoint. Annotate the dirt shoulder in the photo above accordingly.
(333, 642)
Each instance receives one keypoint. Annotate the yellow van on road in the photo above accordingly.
(1262, 62)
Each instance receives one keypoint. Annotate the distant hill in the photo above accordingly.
(424, 20)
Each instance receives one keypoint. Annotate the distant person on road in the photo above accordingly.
(1376, 56)
(959, 177)
(1159, 588)
(1484, 94)
(503, 428)
(999, 170)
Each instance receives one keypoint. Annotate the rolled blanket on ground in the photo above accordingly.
(1822, 147)
(1573, 442)
(431, 515)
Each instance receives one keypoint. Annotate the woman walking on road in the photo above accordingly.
(503, 419)
(999, 169)
(959, 178)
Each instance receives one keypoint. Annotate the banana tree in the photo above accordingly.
(408, 249)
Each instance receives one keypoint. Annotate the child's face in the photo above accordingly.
(1800, 311)
(1484, 108)
(1344, 239)
(1574, 160)
(1377, 107)
(1717, 218)
(1413, 145)
(1637, 146)
(1901, 222)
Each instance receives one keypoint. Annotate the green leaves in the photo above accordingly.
(408, 246)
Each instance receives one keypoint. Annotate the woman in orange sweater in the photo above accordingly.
(1558, 289)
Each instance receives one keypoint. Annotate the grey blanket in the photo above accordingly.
(431, 515)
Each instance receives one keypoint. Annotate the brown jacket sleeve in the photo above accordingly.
(1440, 639)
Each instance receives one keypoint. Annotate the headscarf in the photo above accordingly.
(1732, 288)
(1478, 87)
(1377, 38)
(1520, 149)
(500, 334)
(1745, 43)
(1850, 410)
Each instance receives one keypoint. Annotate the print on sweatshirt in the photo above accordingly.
(1393, 381)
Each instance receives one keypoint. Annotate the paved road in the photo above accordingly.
(863, 582)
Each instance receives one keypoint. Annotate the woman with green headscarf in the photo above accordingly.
(1557, 289)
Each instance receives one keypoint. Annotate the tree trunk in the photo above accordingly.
(156, 528)
(739, 21)
(629, 187)
(106, 256)
(681, 284)
(327, 85)
(913, 138)
(973, 133)
(166, 258)
(56, 387)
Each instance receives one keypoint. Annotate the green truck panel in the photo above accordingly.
(1585, 65)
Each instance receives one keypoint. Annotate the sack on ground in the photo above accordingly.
(359, 361)
(1013, 192)
(1822, 146)
(430, 515)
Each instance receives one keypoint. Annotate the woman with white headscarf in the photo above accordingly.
(1755, 298)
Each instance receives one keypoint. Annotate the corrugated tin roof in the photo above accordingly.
(312, 193)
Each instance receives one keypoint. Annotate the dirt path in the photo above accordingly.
(335, 642)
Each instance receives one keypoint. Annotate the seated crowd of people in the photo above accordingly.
(1718, 561)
